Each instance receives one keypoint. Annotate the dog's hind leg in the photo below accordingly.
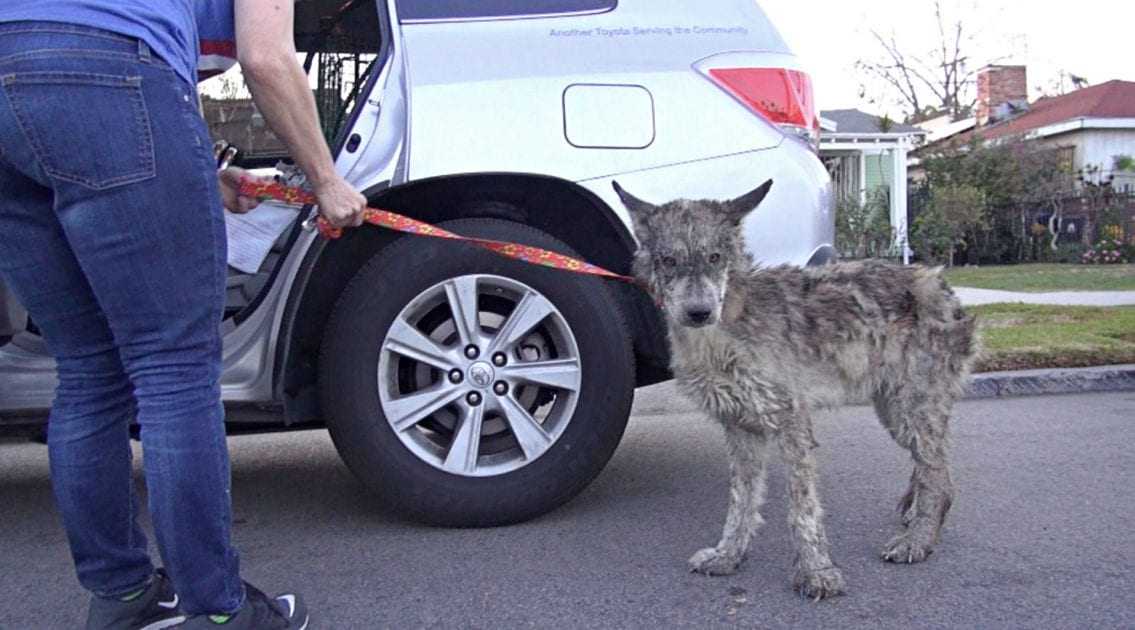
(816, 576)
(920, 423)
(748, 454)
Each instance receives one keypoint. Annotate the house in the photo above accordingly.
(1092, 126)
(866, 154)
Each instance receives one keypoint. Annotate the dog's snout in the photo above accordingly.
(699, 315)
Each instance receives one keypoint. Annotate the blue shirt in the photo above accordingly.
(216, 27)
(169, 27)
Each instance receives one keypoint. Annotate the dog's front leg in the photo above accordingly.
(748, 453)
(816, 576)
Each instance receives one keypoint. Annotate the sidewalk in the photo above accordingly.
(975, 297)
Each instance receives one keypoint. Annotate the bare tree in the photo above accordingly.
(1062, 83)
(928, 83)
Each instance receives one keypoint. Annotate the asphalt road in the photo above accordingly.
(1040, 536)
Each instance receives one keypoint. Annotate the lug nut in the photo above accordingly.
(499, 359)
(473, 398)
(455, 376)
(500, 388)
(471, 352)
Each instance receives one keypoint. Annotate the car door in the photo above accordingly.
(370, 151)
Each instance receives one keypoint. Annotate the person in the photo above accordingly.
(112, 236)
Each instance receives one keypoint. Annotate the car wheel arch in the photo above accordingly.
(534, 200)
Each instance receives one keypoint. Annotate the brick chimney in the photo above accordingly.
(1002, 92)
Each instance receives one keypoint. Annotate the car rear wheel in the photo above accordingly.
(472, 390)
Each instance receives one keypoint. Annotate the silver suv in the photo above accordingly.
(462, 387)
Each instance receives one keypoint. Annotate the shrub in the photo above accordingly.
(1065, 253)
(1019, 180)
(864, 229)
(954, 211)
(1108, 252)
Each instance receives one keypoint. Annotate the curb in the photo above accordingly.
(1109, 378)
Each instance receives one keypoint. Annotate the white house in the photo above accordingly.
(1092, 126)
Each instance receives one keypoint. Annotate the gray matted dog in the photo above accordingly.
(762, 348)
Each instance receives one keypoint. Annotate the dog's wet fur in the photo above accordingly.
(761, 349)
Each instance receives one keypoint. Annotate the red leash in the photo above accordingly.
(265, 189)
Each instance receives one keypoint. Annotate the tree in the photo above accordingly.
(930, 83)
(1062, 83)
(955, 211)
(1021, 183)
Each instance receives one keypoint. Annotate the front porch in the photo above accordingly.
(865, 161)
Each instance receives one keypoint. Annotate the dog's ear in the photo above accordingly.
(740, 207)
(633, 204)
(639, 210)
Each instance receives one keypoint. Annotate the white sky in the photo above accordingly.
(1089, 38)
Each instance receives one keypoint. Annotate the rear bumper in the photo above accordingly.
(794, 225)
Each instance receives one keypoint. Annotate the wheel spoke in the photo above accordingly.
(403, 413)
(461, 293)
(532, 437)
(462, 457)
(557, 373)
(532, 309)
(409, 342)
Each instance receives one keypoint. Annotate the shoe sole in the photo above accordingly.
(164, 623)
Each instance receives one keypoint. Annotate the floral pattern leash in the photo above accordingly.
(271, 190)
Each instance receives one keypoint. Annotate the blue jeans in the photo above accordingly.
(111, 235)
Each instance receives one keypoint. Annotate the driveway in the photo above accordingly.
(1040, 535)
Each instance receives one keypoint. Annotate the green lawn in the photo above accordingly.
(1041, 278)
(1026, 336)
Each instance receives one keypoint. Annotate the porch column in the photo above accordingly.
(862, 176)
(898, 199)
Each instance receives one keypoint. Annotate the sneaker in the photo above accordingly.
(152, 608)
(286, 612)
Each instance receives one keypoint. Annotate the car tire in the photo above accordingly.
(395, 464)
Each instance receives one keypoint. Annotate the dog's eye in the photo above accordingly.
(714, 258)
(669, 261)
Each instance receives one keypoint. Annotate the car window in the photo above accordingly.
(338, 42)
(411, 10)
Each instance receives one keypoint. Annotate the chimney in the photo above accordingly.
(1002, 91)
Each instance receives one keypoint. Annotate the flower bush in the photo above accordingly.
(1108, 251)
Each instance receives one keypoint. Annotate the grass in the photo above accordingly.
(1026, 336)
(1042, 278)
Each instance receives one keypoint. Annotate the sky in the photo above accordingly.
(1089, 38)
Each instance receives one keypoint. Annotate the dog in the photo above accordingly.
(761, 349)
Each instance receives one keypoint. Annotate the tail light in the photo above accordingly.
(783, 97)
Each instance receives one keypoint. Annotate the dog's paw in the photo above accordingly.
(906, 549)
(817, 585)
(710, 561)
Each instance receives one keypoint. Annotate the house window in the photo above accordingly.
(1066, 158)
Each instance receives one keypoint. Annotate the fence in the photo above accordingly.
(1010, 236)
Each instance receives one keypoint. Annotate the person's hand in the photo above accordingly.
(340, 204)
(230, 190)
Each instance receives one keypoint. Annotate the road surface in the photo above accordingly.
(1040, 536)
